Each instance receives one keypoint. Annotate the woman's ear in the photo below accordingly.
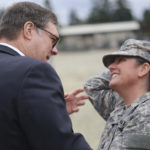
(144, 69)
(28, 29)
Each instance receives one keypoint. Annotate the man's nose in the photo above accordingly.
(54, 51)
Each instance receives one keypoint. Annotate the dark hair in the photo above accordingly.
(141, 61)
(18, 14)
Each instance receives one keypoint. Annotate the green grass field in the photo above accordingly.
(74, 68)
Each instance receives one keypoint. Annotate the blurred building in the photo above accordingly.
(97, 36)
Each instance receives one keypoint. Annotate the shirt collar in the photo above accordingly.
(13, 48)
(141, 99)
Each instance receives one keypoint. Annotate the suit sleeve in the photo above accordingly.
(42, 112)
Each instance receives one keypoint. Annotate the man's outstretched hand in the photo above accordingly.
(73, 101)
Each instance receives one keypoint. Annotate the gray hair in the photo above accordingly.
(18, 14)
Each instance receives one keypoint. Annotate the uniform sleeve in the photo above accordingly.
(42, 112)
(102, 97)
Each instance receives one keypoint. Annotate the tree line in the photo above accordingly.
(103, 11)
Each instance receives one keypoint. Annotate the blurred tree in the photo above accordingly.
(47, 4)
(100, 12)
(122, 11)
(1, 12)
(145, 23)
(109, 11)
(73, 18)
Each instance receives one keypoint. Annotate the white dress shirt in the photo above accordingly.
(12, 47)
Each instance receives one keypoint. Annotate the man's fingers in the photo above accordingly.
(83, 97)
(75, 109)
(65, 95)
(81, 103)
(77, 91)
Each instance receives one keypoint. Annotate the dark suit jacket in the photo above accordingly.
(32, 108)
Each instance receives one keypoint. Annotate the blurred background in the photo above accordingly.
(88, 30)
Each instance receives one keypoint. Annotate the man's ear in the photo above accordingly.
(144, 70)
(28, 29)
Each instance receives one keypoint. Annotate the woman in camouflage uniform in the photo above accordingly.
(127, 114)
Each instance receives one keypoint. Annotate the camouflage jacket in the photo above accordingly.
(127, 127)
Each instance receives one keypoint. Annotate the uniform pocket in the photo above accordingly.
(135, 141)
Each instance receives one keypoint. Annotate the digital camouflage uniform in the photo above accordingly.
(127, 127)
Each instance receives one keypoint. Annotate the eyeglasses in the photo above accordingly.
(52, 36)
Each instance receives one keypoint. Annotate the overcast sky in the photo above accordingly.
(62, 7)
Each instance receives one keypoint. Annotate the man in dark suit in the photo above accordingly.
(33, 112)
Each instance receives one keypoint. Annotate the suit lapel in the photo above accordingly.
(5, 49)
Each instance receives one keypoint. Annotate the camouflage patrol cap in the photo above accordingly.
(130, 47)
